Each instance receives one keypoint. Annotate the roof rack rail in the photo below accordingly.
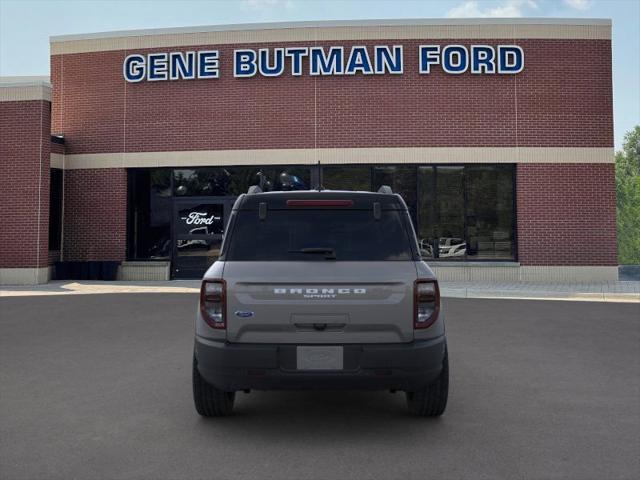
(254, 189)
(385, 189)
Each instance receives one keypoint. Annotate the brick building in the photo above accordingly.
(498, 134)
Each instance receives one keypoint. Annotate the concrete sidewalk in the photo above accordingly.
(595, 292)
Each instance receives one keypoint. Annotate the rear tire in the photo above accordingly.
(431, 401)
(210, 401)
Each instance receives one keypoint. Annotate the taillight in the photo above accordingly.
(426, 303)
(213, 303)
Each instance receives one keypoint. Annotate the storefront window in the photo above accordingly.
(426, 211)
(152, 192)
(347, 177)
(196, 255)
(449, 225)
(466, 212)
(490, 212)
(149, 219)
(55, 209)
(201, 181)
(234, 181)
(460, 212)
(402, 180)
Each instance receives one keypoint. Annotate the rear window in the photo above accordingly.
(303, 235)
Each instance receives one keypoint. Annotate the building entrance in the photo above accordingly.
(197, 231)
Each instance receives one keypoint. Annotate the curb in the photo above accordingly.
(497, 292)
(541, 295)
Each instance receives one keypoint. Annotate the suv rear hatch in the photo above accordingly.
(324, 272)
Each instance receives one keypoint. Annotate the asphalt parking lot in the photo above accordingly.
(98, 386)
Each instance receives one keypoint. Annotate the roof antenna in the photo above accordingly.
(320, 187)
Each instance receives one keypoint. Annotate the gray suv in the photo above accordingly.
(320, 290)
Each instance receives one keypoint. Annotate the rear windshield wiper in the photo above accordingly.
(329, 253)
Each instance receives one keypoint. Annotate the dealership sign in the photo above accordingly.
(325, 61)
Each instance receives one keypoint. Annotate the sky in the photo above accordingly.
(25, 26)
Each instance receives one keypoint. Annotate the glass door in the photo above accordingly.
(197, 231)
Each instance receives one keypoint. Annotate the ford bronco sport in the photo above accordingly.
(320, 290)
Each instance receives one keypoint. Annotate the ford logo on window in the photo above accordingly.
(243, 314)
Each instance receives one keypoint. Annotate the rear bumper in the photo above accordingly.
(405, 366)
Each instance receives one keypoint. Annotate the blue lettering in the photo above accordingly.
(133, 68)
(455, 59)
(244, 63)
(277, 68)
(483, 59)
(208, 64)
(331, 64)
(296, 55)
(385, 61)
(182, 65)
(359, 61)
(510, 59)
(271, 62)
(429, 55)
(157, 67)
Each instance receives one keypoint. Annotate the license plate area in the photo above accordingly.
(319, 357)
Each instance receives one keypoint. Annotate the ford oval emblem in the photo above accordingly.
(243, 314)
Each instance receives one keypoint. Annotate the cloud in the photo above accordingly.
(508, 8)
(578, 4)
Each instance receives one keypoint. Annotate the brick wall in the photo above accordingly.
(24, 174)
(562, 98)
(57, 148)
(95, 206)
(566, 214)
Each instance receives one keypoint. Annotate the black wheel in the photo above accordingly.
(209, 401)
(432, 401)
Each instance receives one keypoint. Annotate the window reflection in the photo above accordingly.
(197, 254)
(233, 181)
(426, 211)
(149, 216)
(459, 212)
(55, 209)
(442, 228)
(402, 180)
(347, 177)
(490, 212)
(449, 221)
(466, 212)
